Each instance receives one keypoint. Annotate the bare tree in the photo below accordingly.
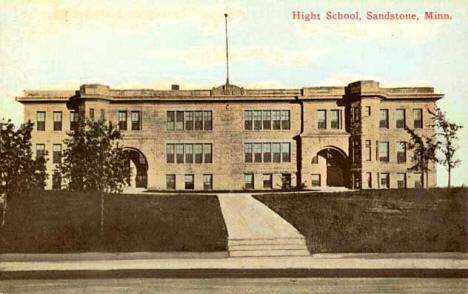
(424, 152)
(19, 171)
(446, 134)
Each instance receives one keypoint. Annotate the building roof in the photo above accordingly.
(231, 92)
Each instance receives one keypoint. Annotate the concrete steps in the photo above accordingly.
(267, 247)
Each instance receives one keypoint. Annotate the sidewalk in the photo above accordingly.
(323, 265)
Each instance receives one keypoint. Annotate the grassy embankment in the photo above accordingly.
(58, 221)
(378, 221)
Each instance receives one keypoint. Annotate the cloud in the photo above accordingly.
(393, 31)
(209, 56)
(344, 78)
(58, 17)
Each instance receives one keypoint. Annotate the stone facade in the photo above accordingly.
(314, 136)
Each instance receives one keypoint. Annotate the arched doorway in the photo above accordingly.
(335, 168)
(138, 171)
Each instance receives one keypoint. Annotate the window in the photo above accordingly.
(123, 120)
(401, 152)
(257, 117)
(257, 150)
(57, 120)
(357, 180)
(401, 180)
(136, 120)
(179, 124)
(73, 120)
(207, 153)
(40, 120)
(170, 153)
(207, 182)
(179, 148)
(286, 181)
(198, 150)
(248, 152)
(103, 114)
(275, 148)
(285, 122)
(315, 159)
(207, 121)
(321, 119)
(276, 118)
(198, 120)
(383, 119)
(188, 117)
(170, 182)
(170, 122)
(285, 152)
(248, 181)
(400, 118)
(189, 183)
(266, 152)
(368, 110)
(315, 180)
(266, 117)
(91, 114)
(248, 116)
(188, 150)
(57, 153)
(40, 150)
(369, 180)
(335, 119)
(267, 181)
(383, 151)
(56, 181)
(368, 150)
(418, 118)
(356, 114)
(384, 180)
(418, 180)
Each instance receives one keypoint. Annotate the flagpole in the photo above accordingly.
(227, 50)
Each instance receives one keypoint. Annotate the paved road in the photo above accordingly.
(271, 286)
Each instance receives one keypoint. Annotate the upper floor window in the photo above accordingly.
(57, 153)
(91, 114)
(73, 120)
(189, 121)
(321, 119)
(418, 118)
(267, 152)
(383, 151)
(401, 151)
(136, 120)
(40, 150)
(266, 120)
(123, 120)
(383, 119)
(189, 153)
(57, 120)
(335, 119)
(368, 150)
(40, 120)
(400, 118)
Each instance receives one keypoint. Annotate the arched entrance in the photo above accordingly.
(138, 171)
(335, 167)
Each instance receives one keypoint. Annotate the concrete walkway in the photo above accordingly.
(256, 230)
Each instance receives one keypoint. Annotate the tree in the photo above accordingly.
(424, 152)
(19, 171)
(446, 133)
(93, 161)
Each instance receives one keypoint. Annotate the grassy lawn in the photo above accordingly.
(58, 221)
(378, 221)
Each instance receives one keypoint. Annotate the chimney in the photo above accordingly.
(175, 87)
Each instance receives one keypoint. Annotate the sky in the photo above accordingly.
(153, 44)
